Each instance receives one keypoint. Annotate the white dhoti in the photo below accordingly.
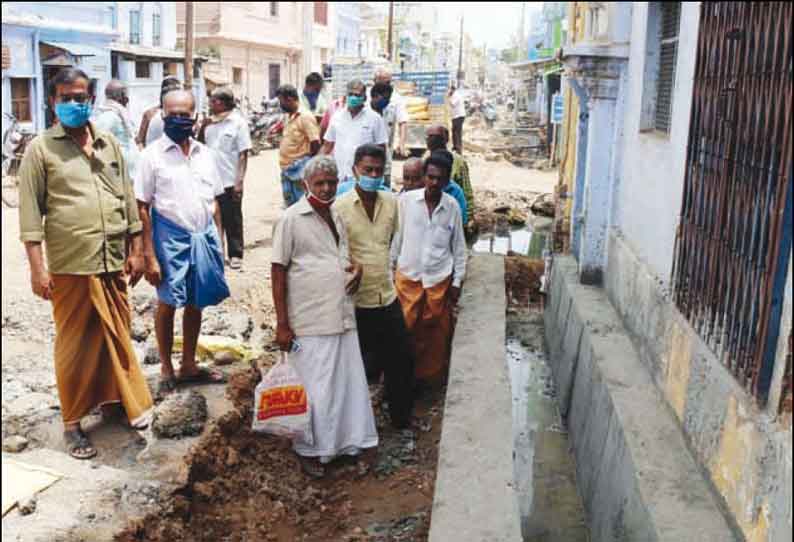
(333, 375)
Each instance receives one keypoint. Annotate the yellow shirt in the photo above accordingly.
(83, 209)
(370, 245)
(299, 131)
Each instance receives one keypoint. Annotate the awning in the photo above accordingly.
(553, 70)
(74, 49)
(151, 52)
(217, 80)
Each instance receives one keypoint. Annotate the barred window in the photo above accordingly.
(668, 54)
(135, 27)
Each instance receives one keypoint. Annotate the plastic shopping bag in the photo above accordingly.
(281, 405)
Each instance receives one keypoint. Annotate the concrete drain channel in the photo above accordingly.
(545, 475)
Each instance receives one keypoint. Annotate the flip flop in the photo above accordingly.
(76, 440)
(312, 468)
(203, 376)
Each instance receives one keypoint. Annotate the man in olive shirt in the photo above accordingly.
(371, 217)
(76, 198)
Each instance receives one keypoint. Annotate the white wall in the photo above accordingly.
(167, 22)
(648, 201)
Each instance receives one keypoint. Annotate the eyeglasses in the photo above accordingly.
(77, 98)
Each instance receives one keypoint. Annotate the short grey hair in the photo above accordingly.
(382, 71)
(322, 163)
(356, 83)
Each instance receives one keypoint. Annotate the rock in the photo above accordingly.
(543, 205)
(139, 330)
(232, 458)
(152, 354)
(224, 357)
(181, 414)
(204, 489)
(27, 506)
(15, 444)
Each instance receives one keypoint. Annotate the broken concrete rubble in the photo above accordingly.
(181, 414)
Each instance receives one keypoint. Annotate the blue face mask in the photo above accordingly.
(355, 101)
(311, 96)
(73, 114)
(370, 184)
(380, 104)
(178, 128)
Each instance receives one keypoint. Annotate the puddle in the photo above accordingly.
(518, 242)
(544, 469)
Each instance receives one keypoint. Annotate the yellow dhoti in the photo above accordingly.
(428, 318)
(95, 363)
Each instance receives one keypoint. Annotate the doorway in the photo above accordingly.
(274, 79)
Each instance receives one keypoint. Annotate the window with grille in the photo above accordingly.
(321, 13)
(142, 70)
(274, 9)
(668, 54)
(135, 27)
(156, 31)
(237, 76)
(20, 98)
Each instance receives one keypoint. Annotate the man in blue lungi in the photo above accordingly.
(176, 187)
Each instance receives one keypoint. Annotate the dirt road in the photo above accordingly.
(135, 486)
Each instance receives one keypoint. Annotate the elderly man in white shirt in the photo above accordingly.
(313, 284)
(430, 256)
(351, 127)
(176, 189)
(384, 76)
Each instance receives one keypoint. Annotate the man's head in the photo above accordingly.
(368, 166)
(437, 138)
(71, 97)
(413, 174)
(382, 75)
(321, 177)
(179, 115)
(288, 98)
(356, 95)
(117, 92)
(380, 96)
(313, 84)
(221, 100)
(437, 170)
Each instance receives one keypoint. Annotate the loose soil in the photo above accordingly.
(242, 486)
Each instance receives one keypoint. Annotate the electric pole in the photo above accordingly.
(460, 54)
(522, 39)
(389, 37)
(189, 46)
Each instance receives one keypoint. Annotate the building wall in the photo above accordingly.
(745, 449)
(21, 44)
(348, 29)
(653, 166)
(167, 11)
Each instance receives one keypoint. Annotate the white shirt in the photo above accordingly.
(317, 300)
(156, 128)
(430, 250)
(348, 134)
(228, 139)
(390, 118)
(181, 188)
(457, 104)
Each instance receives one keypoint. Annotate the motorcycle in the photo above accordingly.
(15, 141)
(264, 127)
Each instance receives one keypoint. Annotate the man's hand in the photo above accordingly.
(454, 295)
(237, 192)
(355, 282)
(151, 270)
(134, 268)
(284, 337)
(41, 283)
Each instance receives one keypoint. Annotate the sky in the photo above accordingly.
(488, 23)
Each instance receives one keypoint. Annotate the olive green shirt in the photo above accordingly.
(82, 208)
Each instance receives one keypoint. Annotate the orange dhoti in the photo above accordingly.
(428, 318)
(95, 363)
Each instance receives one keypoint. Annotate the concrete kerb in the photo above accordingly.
(475, 500)
(637, 478)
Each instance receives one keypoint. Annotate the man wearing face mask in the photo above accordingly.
(177, 186)
(351, 127)
(380, 101)
(372, 220)
(300, 142)
(438, 140)
(311, 99)
(114, 117)
(75, 175)
(314, 280)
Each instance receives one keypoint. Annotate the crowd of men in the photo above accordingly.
(365, 280)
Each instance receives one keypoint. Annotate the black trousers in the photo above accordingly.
(457, 134)
(386, 350)
(232, 220)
